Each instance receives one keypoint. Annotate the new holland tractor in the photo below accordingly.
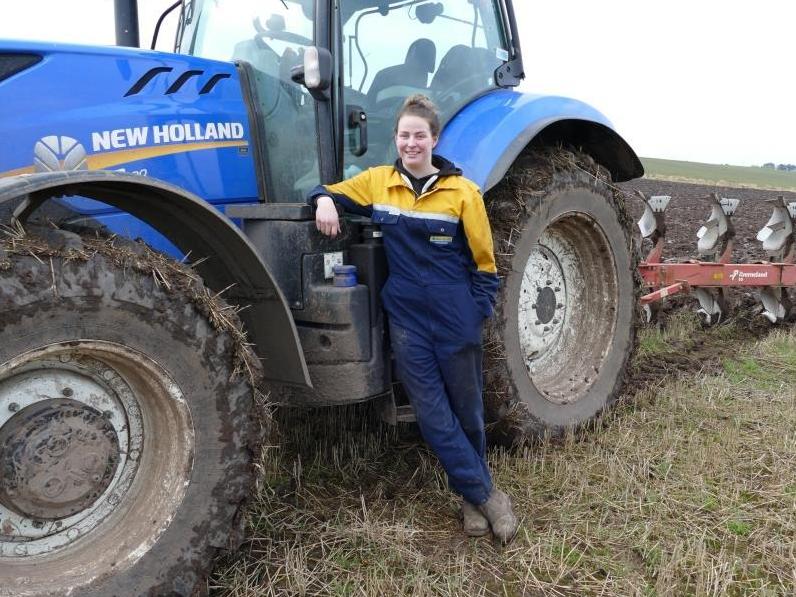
(158, 259)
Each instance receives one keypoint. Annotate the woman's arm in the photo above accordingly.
(353, 195)
(326, 219)
(484, 279)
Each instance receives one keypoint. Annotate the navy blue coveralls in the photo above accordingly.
(441, 286)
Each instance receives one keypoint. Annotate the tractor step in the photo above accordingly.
(405, 414)
(393, 412)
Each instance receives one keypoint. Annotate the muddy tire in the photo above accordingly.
(559, 345)
(126, 433)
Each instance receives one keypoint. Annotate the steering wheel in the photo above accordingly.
(450, 94)
(287, 36)
(281, 35)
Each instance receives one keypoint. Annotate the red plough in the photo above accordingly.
(708, 277)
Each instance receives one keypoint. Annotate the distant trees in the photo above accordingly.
(780, 167)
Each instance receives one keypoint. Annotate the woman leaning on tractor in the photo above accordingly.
(441, 287)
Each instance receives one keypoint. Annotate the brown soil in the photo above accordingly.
(690, 207)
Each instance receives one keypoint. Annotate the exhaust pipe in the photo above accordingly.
(126, 17)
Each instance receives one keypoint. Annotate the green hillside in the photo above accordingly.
(731, 176)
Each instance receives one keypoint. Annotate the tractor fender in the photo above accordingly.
(196, 228)
(485, 137)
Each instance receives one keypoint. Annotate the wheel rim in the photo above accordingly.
(78, 466)
(567, 308)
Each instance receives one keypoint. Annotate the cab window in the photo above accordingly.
(446, 49)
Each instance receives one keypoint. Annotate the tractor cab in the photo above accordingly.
(374, 54)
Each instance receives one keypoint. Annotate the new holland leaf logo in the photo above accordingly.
(56, 153)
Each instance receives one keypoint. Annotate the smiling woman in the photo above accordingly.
(440, 290)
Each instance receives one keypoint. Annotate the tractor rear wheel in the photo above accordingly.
(126, 432)
(564, 331)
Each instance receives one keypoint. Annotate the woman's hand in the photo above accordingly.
(326, 219)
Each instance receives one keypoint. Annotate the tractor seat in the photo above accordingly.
(412, 74)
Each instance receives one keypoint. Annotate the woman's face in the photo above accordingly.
(414, 142)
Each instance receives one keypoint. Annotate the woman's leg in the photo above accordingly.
(462, 372)
(422, 378)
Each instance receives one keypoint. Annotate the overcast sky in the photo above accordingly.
(701, 80)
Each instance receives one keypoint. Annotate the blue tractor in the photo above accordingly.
(128, 385)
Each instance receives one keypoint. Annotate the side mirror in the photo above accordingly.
(316, 72)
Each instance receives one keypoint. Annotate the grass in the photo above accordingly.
(722, 175)
(686, 488)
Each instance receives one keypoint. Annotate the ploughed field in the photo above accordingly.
(687, 486)
(690, 207)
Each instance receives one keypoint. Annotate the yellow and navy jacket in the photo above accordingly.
(439, 237)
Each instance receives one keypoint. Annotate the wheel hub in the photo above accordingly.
(545, 305)
(56, 458)
(542, 309)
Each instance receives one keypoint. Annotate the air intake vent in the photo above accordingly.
(11, 64)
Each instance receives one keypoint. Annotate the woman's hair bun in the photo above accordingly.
(420, 105)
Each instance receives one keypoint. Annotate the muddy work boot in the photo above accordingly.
(475, 524)
(497, 510)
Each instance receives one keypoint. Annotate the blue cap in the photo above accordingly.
(344, 269)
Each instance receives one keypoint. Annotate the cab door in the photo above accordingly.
(293, 133)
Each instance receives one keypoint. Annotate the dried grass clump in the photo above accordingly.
(532, 177)
(48, 243)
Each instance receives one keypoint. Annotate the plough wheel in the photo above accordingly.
(564, 331)
(125, 436)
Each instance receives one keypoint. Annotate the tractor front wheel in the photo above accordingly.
(560, 343)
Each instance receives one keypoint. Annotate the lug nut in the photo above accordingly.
(13, 407)
(67, 392)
